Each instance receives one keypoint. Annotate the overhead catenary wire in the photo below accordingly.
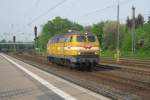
(50, 9)
(107, 7)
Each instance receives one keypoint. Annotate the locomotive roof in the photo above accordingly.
(71, 33)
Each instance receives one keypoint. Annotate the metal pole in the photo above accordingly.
(118, 25)
(133, 29)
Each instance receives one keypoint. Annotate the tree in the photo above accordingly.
(98, 30)
(129, 23)
(140, 20)
(88, 28)
(148, 19)
(56, 26)
(110, 34)
(3, 41)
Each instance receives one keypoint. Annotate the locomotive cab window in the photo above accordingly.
(91, 38)
(86, 39)
(56, 40)
(81, 39)
(61, 40)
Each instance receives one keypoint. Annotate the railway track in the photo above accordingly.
(127, 62)
(134, 82)
(117, 83)
(128, 69)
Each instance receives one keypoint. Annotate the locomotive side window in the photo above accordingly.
(50, 41)
(61, 40)
(91, 38)
(56, 40)
(81, 39)
(69, 39)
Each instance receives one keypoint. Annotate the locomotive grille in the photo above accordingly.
(87, 53)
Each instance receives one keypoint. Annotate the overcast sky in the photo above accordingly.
(18, 17)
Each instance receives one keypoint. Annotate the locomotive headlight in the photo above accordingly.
(79, 53)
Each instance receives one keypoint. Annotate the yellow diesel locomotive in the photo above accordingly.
(78, 50)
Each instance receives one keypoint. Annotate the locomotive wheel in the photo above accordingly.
(89, 68)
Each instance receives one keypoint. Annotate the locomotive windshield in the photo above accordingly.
(81, 39)
(86, 38)
(91, 38)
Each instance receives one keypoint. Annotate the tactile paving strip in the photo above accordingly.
(11, 93)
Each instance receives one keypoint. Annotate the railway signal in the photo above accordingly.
(35, 39)
(149, 19)
(14, 41)
(35, 31)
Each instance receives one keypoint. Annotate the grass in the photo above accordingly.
(144, 55)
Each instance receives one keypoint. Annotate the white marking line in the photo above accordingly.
(42, 81)
(101, 97)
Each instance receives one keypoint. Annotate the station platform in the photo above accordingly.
(21, 81)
